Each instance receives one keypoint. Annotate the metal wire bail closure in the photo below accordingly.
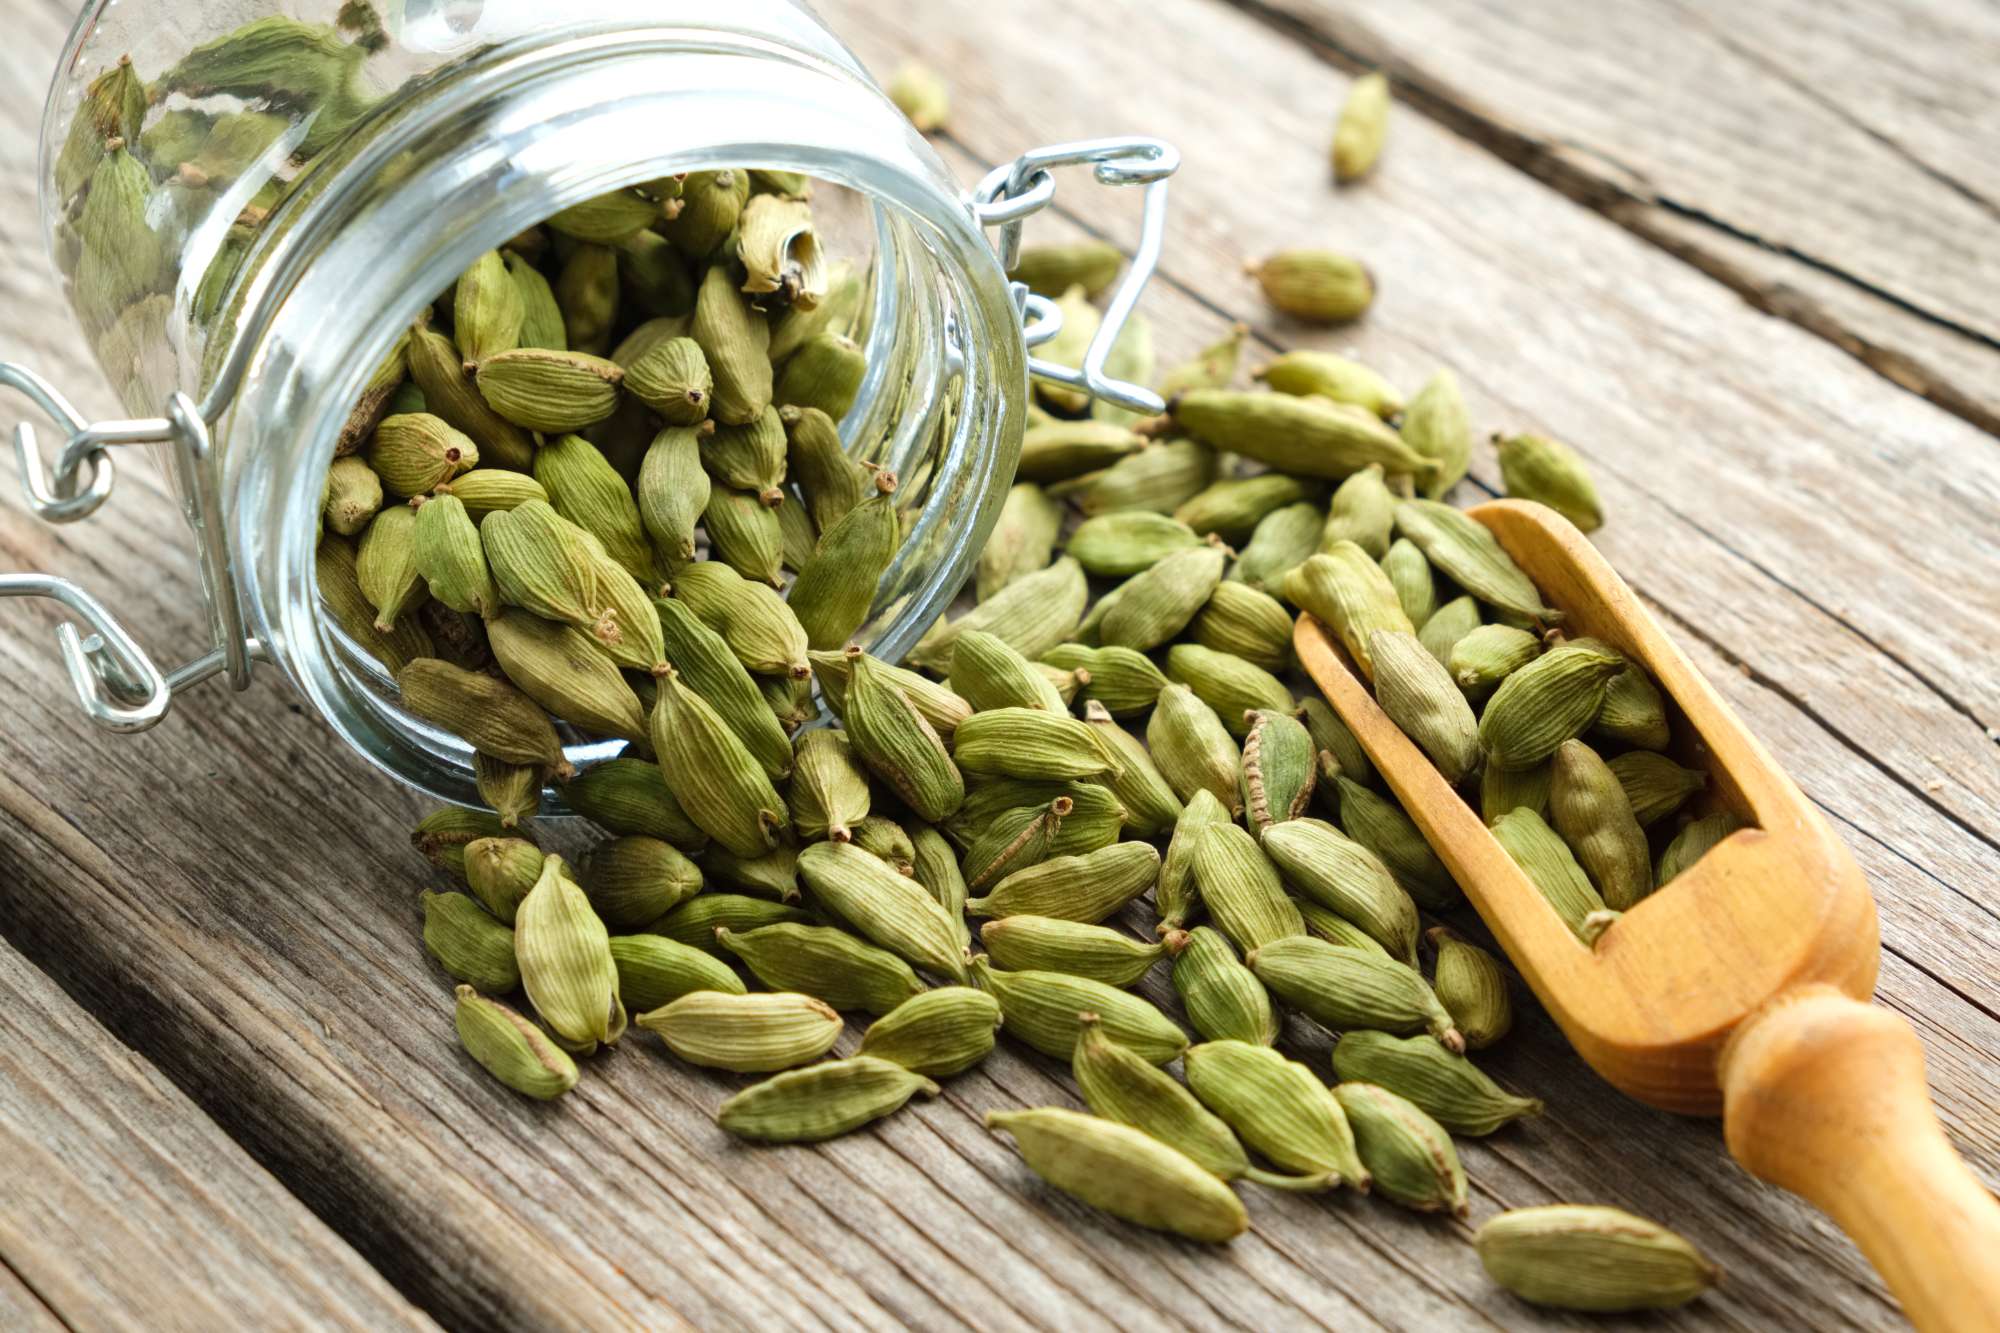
(1011, 193)
(117, 683)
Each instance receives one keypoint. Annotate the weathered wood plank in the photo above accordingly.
(127, 1207)
(1839, 141)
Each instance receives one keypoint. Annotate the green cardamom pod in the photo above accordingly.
(751, 618)
(1015, 839)
(629, 797)
(750, 457)
(1305, 374)
(1487, 655)
(1193, 748)
(442, 837)
(1240, 620)
(113, 106)
(1694, 842)
(836, 590)
(1231, 508)
(1123, 680)
(565, 958)
(1634, 712)
(672, 378)
(936, 703)
(746, 1034)
(1535, 467)
(584, 488)
(934, 864)
(353, 496)
(1348, 989)
(1151, 807)
(1284, 540)
(987, 672)
(735, 339)
(1128, 541)
(695, 921)
(1421, 698)
(1447, 625)
(1023, 538)
(1655, 785)
(634, 880)
(1332, 736)
(1501, 790)
(1348, 592)
(792, 702)
(1470, 985)
(1589, 809)
(1241, 889)
(1363, 124)
(774, 875)
(838, 312)
(673, 492)
(1346, 878)
(1214, 367)
(1604, 1260)
(487, 311)
(1548, 701)
(1277, 1106)
(450, 558)
(1175, 895)
(1436, 425)
(1030, 743)
(386, 566)
(513, 790)
(550, 391)
(1085, 888)
(486, 489)
(123, 258)
(415, 452)
(826, 963)
(1157, 604)
(1028, 942)
(826, 372)
(468, 943)
(1317, 286)
(715, 779)
(587, 291)
(1306, 437)
(831, 481)
(1060, 450)
(561, 669)
(1465, 552)
(511, 1048)
(541, 317)
(745, 535)
(1160, 477)
(1380, 825)
(654, 971)
(1280, 767)
(884, 839)
(1051, 270)
(1033, 614)
(1549, 865)
(336, 568)
(1323, 924)
(1043, 1009)
(490, 715)
(500, 871)
(1125, 1172)
(888, 909)
(938, 1033)
(1410, 575)
(1409, 1156)
(897, 744)
(711, 670)
(829, 791)
(1447, 1087)
(449, 396)
(606, 219)
(1224, 1000)
(1234, 688)
(1363, 511)
(821, 1102)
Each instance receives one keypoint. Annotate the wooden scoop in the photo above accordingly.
(1740, 986)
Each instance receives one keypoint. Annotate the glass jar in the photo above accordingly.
(307, 175)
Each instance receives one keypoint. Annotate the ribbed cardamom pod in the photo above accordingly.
(745, 535)
(1051, 270)
(654, 971)
(468, 943)
(414, 452)
(987, 673)
(1436, 425)
(442, 836)
(1421, 698)
(836, 590)
(1346, 878)
(735, 339)
(1125, 1172)
(710, 669)
(1469, 555)
(1151, 806)
(1363, 511)
(1317, 286)
(746, 1034)
(1231, 508)
(1308, 437)
(938, 704)
(1031, 743)
(1447, 625)
(1224, 1000)
(565, 957)
(1023, 538)
(824, 962)
(1284, 540)
(780, 252)
(487, 311)
(1545, 703)
(1501, 790)
(938, 1033)
(635, 880)
(888, 909)
(606, 219)
(1363, 124)
(587, 290)
(798, 536)
(1228, 684)
(336, 569)
(437, 368)
(831, 481)
(1123, 680)
(1085, 888)
(353, 496)
(548, 566)
(630, 797)
(511, 1048)
(1026, 942)
(1589, 809)
(712, 204)
(934, 864)
(541, 317)
(1549, 865)
(713, 776)
(1449, 1088)
(672, 378)
(1380, 825)
(513, 790)
(1193, 748)
(113, 106)
(1241, 890)
(1470, 985)
(1240, 620)
(1160, 477)
(750, 457)
(821, 1102)
(1634, 711)
(1485, 656)
(1214, 367)
(653, 277)
(1280, 768)
(751, 618)
(1119, 1086)
(1655, 785)
(386, 566)
(695, 921)
(897, 744)
(1350, 594)
(1034, 613)
(486, 489)
(673, 492)
(1015, 839)
(1410, 575)
(1128, 542)
(1277, 1106)
(563, 670)
(1535, 467)
(1175, 896)
(123, 258)
(1305, 374)
(1332, 736)
(1694, 842)
(1330, 926)
(1157, 604)
(774, 875)
(500, 871)
(490, 715)
(1409, 1156)
(1043, 1010)
(584, 488)
(826, 372)
(1348, 989)
(829, 791)
(1604, 1260)
(1060, 450)
(884, 839)
(451, 559)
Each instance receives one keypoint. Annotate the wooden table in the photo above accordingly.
(1746, 258)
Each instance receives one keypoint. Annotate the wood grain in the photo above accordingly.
(128, 1208)
(231, 895)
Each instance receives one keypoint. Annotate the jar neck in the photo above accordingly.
(453, 166)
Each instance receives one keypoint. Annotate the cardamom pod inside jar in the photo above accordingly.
(476, 328)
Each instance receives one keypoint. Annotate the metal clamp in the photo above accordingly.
(117, 683)
(1012, 193)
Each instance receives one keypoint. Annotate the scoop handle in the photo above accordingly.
(1825, 1096)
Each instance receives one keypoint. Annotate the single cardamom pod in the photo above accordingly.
(1317, 286)
(1241, 890)
(716, 780)
(1549, 865)
(386, 566)
(938, 1033)
(1447, 625)
(1240, 620)
(353, 496)
(541, 317)
(1280, 767)
(1469, 555)
(826, 372)
(634, 880)
(1332, 736)
(500, 871)
(1322, 924)
(792, 702)
(1349, 593)
(826, 963)
(936, 703)
(565, 957)
(836, 590)
(888, 909)
(735, 339)
(1125, 1172)
(1346, 878)
(438, 369)
(1304, 374)
(654, 971)
(1085, 888)
(711, 670)
(672, 378)
(513, 790)
(1128, 541)
(415, 451)
(1578, 1257)
(750, 457)
(1436, 425)
(1347, 989)
(774, 875)
(673, 491)
(584, 488)
(1123, 680)
(511, 1048)
(838, 312)
(746, 1034)
(1160, 477)
(1358, 136)
(1409, 1156)
(1284, 540)
(606, 219)
(821, 1102)
(1025, 942)
(1410, 575)
(1214, 367)
(487, 311)
(1023, 539)
(1030, 743)
(1634, 712)
(712, 204)
(884, 839)
(695, 921)
(745, 535)
(113, 106)
(1033, 614)
(829, 791)
(561, 669)
(831, 481)
(1060, 449)
(629, 797)
(1655, 785)
(1151, 807)
(442, 837)
(1051, 270)
(1121, 1087)
(1234, 688)
(1363, 511)
(1175, 896)
(1501, 790)
(1447, 1087)
(468, 943)
(1694, 842)
(1224, 1000)
(492, 716)
(587, 291)
(123, 258)
(1545, 703)
(799, 537)
(546, 565)
(450, 558)
(1193, 748)
(1589, 808)
(1306, 437)
(1488, 654)
(1380, 825)
(1080, 322)
(1157, 604)
(1015, 839)
(1535, 467)
(1277, 1106)
(1043, 1009)
(1420, 698)
(987, 673)
(483, 490)
(934, 864)
(336, 568)
(896, 742)
(1231, 507)
(1470, 985)
(752, 619)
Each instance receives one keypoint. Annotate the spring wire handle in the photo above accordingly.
(1013, 192)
